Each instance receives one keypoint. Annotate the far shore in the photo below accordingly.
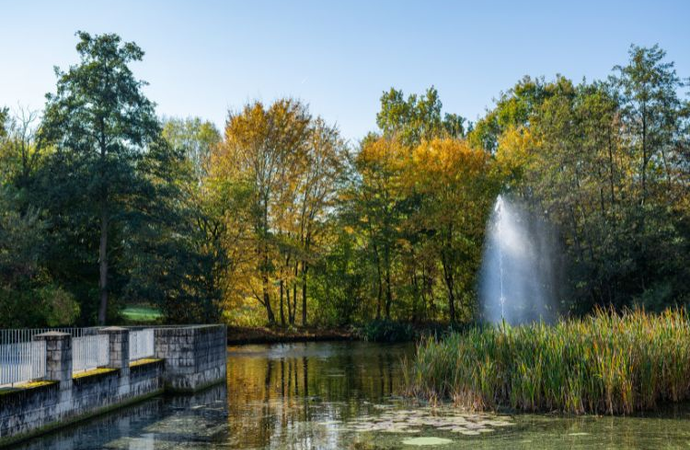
(265, 335)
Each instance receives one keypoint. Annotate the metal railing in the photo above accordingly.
(89, 352)
(22, 361)
(14, 336)
(140, 344)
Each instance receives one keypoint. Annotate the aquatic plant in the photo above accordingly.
(604, 363)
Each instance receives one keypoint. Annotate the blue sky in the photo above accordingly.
(206, 57)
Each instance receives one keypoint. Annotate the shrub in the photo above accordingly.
(386, 331)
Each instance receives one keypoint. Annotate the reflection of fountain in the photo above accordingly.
(516, 280)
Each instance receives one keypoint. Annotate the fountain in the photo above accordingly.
(518, 277)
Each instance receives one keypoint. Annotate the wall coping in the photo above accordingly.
(53, 334)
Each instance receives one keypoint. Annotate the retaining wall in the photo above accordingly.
(195, 357)
(186, 359)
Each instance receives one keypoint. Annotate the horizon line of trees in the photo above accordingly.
(279, 220)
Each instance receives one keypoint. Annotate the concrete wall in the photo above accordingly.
(187, 359)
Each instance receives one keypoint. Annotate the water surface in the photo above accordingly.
(344, 396)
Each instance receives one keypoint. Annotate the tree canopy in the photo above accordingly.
(277, 219)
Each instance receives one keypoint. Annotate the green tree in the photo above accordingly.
(416, 118)
(4, 113)
(654, 115)
(607, 163)
(28, 295)
(195, 139)
(190, 241)
(101, 125)
(19, 156)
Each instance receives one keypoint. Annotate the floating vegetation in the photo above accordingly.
(605, 363)
(423, 441)
(417, 420)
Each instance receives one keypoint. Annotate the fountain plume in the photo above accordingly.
(519, 279)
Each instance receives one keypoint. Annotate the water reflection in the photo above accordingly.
(343, 396)
(288, 388)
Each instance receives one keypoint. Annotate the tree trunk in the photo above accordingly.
(294, 294)
(289, 305)
(267, 301)
(379, 295)
(305, 269)
(451, 301)
(282, 307)
(389, 293)
(103, 265)
(387, 273)
(448, 277)
(415, 295)
(266, 294)
(103, 244)
(611, 171)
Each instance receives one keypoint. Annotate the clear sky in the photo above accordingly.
(206, 57)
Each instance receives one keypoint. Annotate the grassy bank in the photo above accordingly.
(605, 363)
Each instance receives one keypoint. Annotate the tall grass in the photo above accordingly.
(605, 363)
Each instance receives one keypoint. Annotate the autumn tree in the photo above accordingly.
(380, 210)
(262, 149)
(458, 187)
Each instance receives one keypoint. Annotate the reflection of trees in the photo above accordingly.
(273, 395)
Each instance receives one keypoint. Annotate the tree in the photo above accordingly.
(316, 193)
(263, 149)
(513, 110)
(101, 125)
(458, 187)
(29, 297)
(4, 113)
(189, 238)
(195, 139)
(380, 210)
(606, 162)
(19, 155)
(653, 114)
(417, 118)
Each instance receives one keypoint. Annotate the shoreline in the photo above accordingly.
(265, 335)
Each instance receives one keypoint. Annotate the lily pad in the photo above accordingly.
(423, 441)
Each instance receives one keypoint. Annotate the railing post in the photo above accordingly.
(118, 347)
(58, 357)
(118, 350)
(59, 363)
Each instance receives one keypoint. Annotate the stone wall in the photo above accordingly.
(203, 410)
(187, 359)
(195, 357)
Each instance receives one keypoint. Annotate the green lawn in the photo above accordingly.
(141, 314)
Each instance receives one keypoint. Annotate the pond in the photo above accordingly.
(344, 396)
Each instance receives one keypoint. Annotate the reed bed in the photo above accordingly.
(606, 363)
